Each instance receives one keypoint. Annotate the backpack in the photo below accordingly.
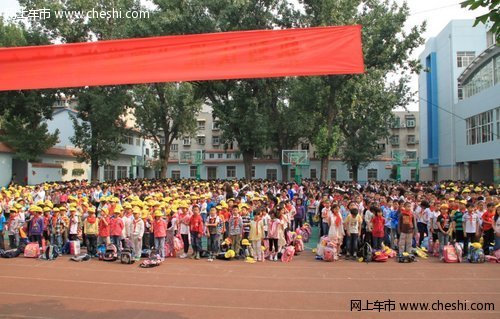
(50, 253)
(154, 261)
(287, 255)
(329, 254)
(11, 253)
(74, 247)
(459, 250)
(111, 253)
(65, 249)
(299, 245)
(146, 253)
(126, 256)
(32, 250)
(406, 258)
(80, 258)
(178, 244)
(476, 255)
(367, 252)
(380, 256)
(450, 254)
(101, 249)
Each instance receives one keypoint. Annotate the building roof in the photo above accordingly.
(53, 151)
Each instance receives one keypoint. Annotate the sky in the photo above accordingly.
(437, 14)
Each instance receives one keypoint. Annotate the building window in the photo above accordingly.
(128, 139)
(229, 156)
(271, 174)
(410, 122)
(162, 140)
(333, 174)
(413, 174)
(109, 172)
(186, 141)
(372, 173)
(138, 141)
(305, 146)
(253, 171)
(121, 172)
(211, 156)
(381, 147)
(411, 155)
(498, 122)
(396, 122)
(237, 155)
(201, 125)
(219, 156)
(174, 147)
(147, 151)
(201, 140)
(231, 171)
(479, 128)
(215, 126)
(482, 79)
(460, 92)
(464, 58)
(350, 173)
(394, 140)
(176, 175)
(192, 171)
(411, 139)
(312, 174)
(229, 146)
(215, 140)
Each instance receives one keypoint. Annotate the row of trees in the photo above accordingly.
(341, 115)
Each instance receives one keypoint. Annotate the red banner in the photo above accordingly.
(211, 56)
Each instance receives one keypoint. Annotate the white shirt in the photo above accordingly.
(368, 219)
(470, 222)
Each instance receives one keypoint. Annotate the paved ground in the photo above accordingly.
(304, 288)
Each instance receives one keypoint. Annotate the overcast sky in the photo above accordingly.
(436, 13)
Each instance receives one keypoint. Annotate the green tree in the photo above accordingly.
(99, 126)
(492, 17)
(23, 113)
(386, 48)
(166, 110)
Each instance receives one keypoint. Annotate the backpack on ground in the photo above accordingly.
(459, 250)
(476, 255)
(146, 253)
(101, 249)
(406, 258)
(380, 256)
(288, 253)
(51, 252)
(450, 254)
(367, 252)
(32, 250)
(329, 254)
(74, 247)
(11, 253)
(80, 258)
(127, 256)
(153, 261)
(111, 253)
(65, 249)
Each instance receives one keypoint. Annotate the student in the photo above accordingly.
(422, 220)
(266, 219)
(353, 224)
(406, 228)
(256, 236)
(444, 228)
(183, 222)
(273, 234)
(457, 223)
(394, 224)
(245, 217)
(104, 228)
(160, 232)
(13, 226)
(378, 223)
(196, 229)
(235, 230)
(336, 230)
(213, 230)
(300, 214)
(2, 227)
(91, 230)
(470, 227)
(136, 232)
(74, 224)
(115, 229)
(325, 213)
(488, 231)
(35, 229)
(368, 216)
(496, 227)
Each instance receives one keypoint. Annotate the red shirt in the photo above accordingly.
(116, 226)
(378, 226)
(104, 230)
(160, 228)
(196, 224)
(488, 217)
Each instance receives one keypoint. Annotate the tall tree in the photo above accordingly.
(166, 110)
(99, 127)
(386, 49)
(23, 113)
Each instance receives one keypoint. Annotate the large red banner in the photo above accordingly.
(211, 56)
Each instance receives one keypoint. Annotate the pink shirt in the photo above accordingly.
(116, 226)
(160, 228)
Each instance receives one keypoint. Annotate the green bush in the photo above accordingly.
(77, 172)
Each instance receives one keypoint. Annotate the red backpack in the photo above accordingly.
(450, 254)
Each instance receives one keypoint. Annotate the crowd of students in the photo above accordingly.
(173, 216)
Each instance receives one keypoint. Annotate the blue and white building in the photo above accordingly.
(444, 105)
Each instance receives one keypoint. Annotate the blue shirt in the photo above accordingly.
(394, 219)
(2, 222)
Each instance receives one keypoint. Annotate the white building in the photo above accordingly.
(444, 58)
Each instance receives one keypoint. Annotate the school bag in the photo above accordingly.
(51, 252)
(476, 255)
(329, 254)
(74, 247)
(153, 261)
(101, 249)
(287, 255)
(299, 244)
(65, 249)
(11, 253)
(459, 250)
(406, 258)
(450, 254)
(178, 244)
(32, 250)
(367, 252)
(111, 253)
(380, 256)
(80, 258)
(127, 256)
(146, 253)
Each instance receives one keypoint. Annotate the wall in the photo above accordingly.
(5, 169)
(38, 175)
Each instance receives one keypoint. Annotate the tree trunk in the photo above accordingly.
(324, 169)
(355, 173)
(284, 173)
(94, 171)
(248, 161)
(164, 164)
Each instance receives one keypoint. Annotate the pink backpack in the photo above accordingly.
(329, 254)
(299, 245)
(287, 255)
(450, 254)
(32, 250)
(435, 249)
(458, 249)
(178, 244)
